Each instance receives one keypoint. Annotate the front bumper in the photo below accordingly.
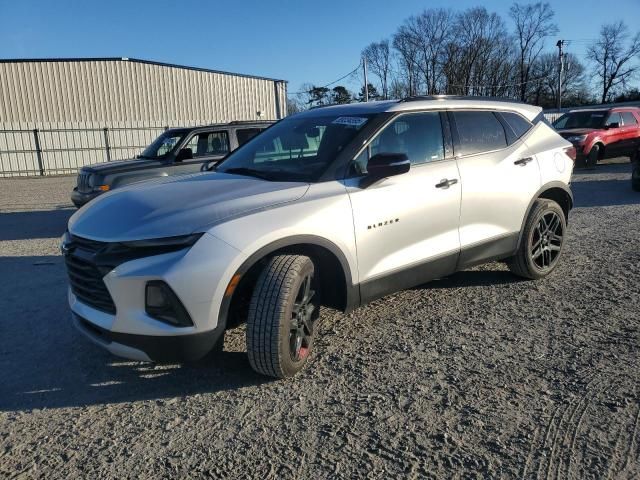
(198, 276)
(80, 198)
(148, 347)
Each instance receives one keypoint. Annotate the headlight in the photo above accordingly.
(176, 243)
(577, 138)
(91, 180)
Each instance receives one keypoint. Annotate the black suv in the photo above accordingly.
(176, 151)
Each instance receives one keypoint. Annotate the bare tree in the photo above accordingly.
(378, 56)
(406, 60)
(613, 54)
(533, 23)
(429, 33)
(479, 58)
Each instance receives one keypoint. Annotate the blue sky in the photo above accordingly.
(300, 41)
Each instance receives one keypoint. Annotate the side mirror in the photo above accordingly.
(612, 125)
(184, 154)
(211, 165)
(383, 165)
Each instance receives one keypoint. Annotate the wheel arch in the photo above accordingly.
(335, 275)
(556, 191)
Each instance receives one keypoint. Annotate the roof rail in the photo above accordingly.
(243, 122)
(417, 98)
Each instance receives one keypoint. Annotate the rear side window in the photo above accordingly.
(479, 132)
(629, 118)
(518, 123)
(246, 134)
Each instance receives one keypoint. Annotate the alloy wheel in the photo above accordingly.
(303, 317)
(546, 241)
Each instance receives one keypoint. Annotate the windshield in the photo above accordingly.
(581, 120)
(163, 145)
(295, 149)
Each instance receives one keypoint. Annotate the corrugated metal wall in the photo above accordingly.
(117, 93)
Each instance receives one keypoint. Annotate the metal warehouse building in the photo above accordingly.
(59, 114)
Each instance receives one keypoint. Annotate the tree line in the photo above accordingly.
(474, 52)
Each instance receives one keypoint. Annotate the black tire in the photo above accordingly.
(635, 177)
(283, 314)
(542, 241)
(592, 159)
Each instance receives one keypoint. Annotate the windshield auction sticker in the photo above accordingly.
(355, 122)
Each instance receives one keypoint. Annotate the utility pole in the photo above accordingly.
(366, 82)
(560, 45)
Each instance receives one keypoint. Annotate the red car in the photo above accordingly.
(601, 133)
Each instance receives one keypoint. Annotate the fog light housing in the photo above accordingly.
(162, 304)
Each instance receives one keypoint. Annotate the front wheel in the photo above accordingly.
(283, 314)
(542, 241)
(635, 176)
(592, 159)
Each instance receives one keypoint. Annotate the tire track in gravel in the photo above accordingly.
(555, 430)
(632, 441)
(591, 390)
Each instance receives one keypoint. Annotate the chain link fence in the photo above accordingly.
(60, 151)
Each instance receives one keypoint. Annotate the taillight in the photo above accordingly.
(571, 152)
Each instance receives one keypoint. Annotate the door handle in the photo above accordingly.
(523, 161)
(446, 183)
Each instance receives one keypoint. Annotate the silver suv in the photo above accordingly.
(334, 207)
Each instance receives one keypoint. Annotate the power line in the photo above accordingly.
(331, 83)
(502, 86)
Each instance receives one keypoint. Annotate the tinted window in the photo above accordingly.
(518, 123)
(418, 135)
(209, 144)
(629, 119)
(479, 132)
(246, 134)
(586, 119)
(614, 118)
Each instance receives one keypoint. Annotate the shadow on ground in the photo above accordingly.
(46, 363)
(603, 193)
(34, 224)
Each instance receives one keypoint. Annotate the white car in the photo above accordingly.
(335, 206)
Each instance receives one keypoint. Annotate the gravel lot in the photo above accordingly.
(479, 375)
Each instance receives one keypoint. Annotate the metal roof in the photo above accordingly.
(133, 60)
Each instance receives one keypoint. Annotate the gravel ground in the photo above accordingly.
(478, 375)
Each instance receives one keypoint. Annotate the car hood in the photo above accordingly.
(570, 132)
(121, 166)
(178, 206)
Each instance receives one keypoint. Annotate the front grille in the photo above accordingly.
(85, 277)
(83, 182)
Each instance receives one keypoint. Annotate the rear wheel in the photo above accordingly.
(542, 241)
(283, 314)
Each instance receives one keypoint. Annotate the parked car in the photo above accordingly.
(601, 133)
(336, 206)
(176, 151)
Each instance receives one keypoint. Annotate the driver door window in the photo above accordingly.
(614, 118)
(209, 144)
(418, 135)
